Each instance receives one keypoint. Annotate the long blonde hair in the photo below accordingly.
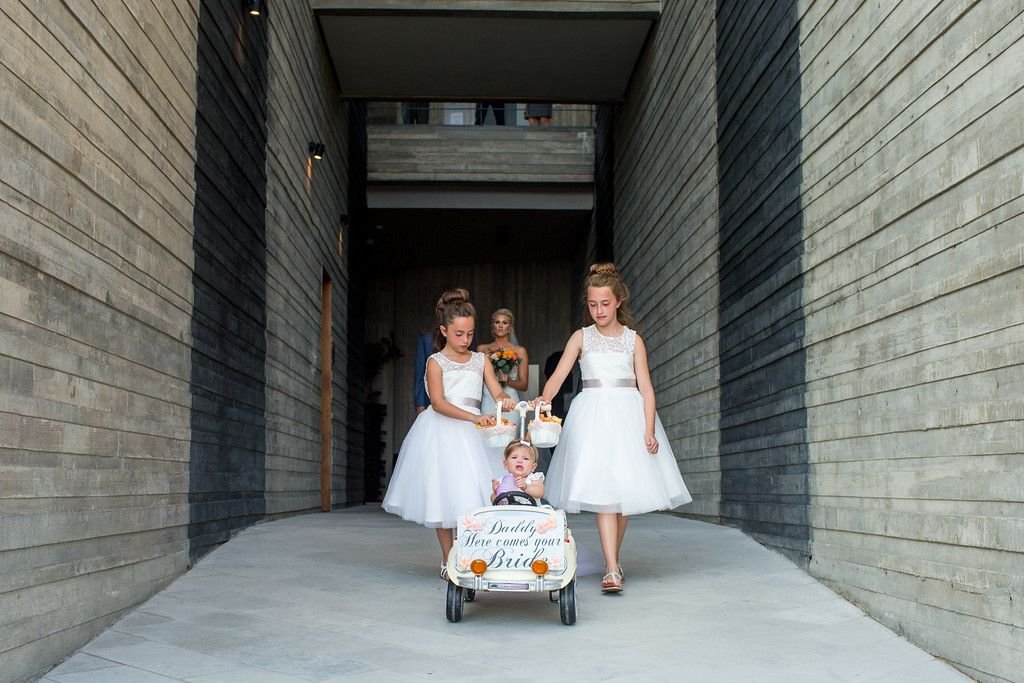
(512, 338)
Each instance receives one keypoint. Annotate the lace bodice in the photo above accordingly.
(463, 382)
(607, 358)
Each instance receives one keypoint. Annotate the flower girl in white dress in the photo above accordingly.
(443, 470)
(613, 457)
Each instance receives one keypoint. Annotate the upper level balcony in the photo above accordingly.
(449, 162)
(471, 50)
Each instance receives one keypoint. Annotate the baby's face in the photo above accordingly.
(520, 462)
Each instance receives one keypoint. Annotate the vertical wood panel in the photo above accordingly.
(306, 200)
(228, 381)
(326, 401)
(665, 234)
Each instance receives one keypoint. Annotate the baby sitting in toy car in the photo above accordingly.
(520, 463)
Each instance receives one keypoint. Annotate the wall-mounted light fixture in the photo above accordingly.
(254, 8)
(317, 150)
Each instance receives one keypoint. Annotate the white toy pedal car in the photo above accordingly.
(519, 547)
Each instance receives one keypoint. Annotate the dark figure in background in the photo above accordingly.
(424, 347)
(499, 112)
(558, 402)
(558, 406)
(416, 112)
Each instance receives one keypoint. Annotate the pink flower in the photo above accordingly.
(547, 525)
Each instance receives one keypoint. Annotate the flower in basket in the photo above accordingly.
(504, 360)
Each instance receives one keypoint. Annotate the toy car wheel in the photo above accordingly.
(567, 603)
(453, 605)
(470, 594)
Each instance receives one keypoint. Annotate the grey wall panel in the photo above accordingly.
(96, 206)
(914, 319)
(228, 379)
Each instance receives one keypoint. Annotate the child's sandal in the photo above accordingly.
(611, 583)
(622, 574)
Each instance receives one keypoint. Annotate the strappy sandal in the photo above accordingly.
(611, 583)
(622, 574)
(444, 572)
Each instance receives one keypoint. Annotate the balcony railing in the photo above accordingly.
(468, 114)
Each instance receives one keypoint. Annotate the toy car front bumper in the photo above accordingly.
(513, 585)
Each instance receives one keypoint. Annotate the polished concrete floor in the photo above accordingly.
(354, 596)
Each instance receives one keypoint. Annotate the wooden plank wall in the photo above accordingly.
(761, 327)
(96, 219)
(481, 154)
(229, 345)
(666, 233)
(305, 202)
(914, 295)
(539, 294)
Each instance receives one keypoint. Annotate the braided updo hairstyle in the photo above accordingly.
(453, 304)
(607, 275)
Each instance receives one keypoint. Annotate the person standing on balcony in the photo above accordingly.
(415, 112)
(538, 114)
(499, 112)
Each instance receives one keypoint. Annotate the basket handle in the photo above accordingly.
(522, 407)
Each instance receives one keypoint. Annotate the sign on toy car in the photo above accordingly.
(512, 538)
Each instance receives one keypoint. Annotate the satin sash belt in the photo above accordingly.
(608, 383)
(468, 402)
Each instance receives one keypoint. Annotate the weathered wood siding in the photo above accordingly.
(666, 234)
(914, 297)
(229, 347)
(97, 133)
(760, 317)
(305, 203)
(495, 154)
(862, 230)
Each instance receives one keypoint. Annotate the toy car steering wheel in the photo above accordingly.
(511, 497)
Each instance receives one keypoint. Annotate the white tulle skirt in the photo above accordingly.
(442, 472)
(601, 463)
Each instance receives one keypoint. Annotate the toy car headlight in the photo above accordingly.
(539, 567)
(478, 567)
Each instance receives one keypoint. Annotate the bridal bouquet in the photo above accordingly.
(504, 360)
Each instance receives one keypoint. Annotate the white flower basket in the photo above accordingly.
(544, 434)
(499, 436)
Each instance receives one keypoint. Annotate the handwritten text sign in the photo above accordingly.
(512, 539)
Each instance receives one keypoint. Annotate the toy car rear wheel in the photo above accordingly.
(453, 604)
(470, 594)
(567, 603)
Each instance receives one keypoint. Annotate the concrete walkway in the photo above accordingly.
(354, 596)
